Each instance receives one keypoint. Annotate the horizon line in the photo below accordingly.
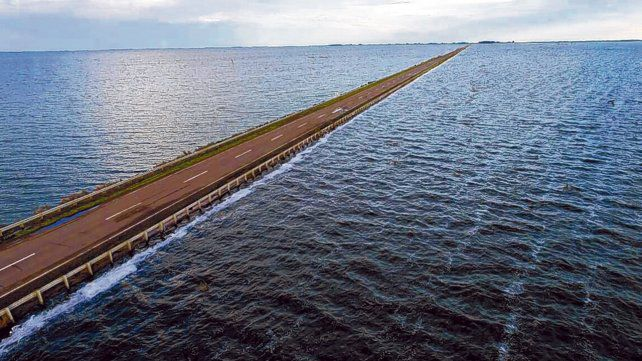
(481, 42)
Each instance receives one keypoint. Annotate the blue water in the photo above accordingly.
(491, 210)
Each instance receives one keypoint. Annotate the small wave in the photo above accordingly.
(510, 328)
(515, 288)
(503, 351)
(560, 205)
(495, 228)
(613, 234)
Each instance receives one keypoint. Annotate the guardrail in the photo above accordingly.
(35, 291)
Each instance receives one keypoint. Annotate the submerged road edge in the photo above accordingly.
(35, 292)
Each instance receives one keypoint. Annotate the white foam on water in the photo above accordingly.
(112, 277)
(103, 283)
(509, 329)
(503, 351)
(515, 288)
(537, 247)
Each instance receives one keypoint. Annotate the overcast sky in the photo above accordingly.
(108, 24)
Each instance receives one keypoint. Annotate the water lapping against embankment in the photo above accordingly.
(491, 210)
(21, 332)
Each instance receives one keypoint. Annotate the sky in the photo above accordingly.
(114, 24)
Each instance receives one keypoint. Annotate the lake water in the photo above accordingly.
(490, 210)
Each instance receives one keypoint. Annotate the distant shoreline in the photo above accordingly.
(483, 42)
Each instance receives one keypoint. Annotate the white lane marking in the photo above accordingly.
(302, 125)
(198, 175)
(16, 262)
(244, 153)
(321, 116)
(277, 137)
(337, 110)
(124, 210)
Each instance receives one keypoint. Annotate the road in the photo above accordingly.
(25, 262)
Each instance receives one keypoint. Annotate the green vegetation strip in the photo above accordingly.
(216, 148)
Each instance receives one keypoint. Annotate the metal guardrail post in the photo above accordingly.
(39, 296)
(7, 311)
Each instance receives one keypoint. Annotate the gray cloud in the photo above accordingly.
(55, 24)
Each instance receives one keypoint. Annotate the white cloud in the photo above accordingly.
(279, 22)
(98, 9)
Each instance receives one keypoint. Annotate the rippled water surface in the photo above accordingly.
(491, 210)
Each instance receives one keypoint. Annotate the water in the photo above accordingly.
(491, 210)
